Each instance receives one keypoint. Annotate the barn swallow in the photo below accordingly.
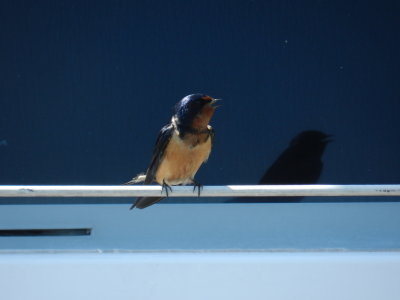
(181, 147)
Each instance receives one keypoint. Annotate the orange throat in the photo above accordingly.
(201, 121)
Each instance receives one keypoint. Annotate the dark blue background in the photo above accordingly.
(86, 85)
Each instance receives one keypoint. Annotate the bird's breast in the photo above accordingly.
(182, 158)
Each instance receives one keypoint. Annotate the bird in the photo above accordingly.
(300, 163)
(182, 146)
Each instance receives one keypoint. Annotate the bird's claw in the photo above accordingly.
(197, 185)
(165, 187)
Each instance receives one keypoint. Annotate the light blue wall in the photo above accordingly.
(352, 226)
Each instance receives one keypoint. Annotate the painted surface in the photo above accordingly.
(271, 227)
(87, 85)
(285, 276)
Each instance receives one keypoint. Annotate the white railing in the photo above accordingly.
(207, 191)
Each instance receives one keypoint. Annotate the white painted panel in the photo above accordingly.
(307, 276)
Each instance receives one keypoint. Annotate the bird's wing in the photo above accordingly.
(158, 153)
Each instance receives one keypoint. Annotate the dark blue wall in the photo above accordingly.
(86, 85)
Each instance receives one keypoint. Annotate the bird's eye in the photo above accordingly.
(198, 101)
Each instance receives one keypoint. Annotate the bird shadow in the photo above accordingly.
(300, 163)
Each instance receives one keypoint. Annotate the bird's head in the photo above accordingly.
(195, 111)
(312, 138)
(311, 142)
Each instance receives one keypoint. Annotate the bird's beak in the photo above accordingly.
(213, 101)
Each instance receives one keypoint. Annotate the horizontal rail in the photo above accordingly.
(207, 191)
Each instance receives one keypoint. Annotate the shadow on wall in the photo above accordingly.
(300, 163)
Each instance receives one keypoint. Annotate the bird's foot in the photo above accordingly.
(197, 185)
(165, 187)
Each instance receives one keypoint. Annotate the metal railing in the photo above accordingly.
(206, 191)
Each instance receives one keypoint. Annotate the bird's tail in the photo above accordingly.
(138, 179)
(143, 202)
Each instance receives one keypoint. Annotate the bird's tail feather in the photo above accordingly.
(138, 179)
(144, 202)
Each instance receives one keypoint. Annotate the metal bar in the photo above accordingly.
(207, 191)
